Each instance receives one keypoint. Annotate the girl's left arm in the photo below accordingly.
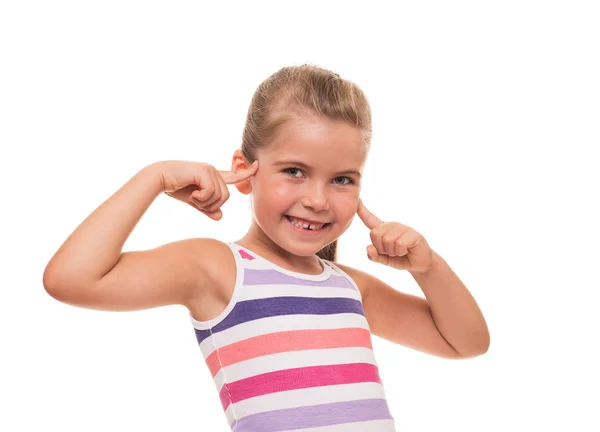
(447, 322)
(454, 310)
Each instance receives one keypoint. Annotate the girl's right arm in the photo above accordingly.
(90, 270)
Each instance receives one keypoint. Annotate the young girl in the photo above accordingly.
(284, 328)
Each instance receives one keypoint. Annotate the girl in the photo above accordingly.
(284, 328)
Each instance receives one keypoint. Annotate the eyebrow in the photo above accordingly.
(306, 167)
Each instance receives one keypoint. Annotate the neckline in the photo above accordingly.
(315, 277)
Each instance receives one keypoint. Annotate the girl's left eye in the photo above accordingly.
(350, 181)
(292, 171)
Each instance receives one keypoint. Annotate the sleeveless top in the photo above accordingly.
(292, 352)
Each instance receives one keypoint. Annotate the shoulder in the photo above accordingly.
(213, 261)
(362, 279)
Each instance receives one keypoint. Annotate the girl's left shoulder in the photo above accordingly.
(360, 278)
(366, 283)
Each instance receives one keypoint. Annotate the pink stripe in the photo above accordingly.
(298, 378)
(286, 341)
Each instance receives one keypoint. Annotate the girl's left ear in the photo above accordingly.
(237, 163)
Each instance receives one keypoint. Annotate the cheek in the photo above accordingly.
(346, 205)
(273, 192)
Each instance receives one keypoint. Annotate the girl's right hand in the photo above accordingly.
(201, 185)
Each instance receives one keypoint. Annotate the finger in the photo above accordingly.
(377, 240)
(410, 239)
(200, 205)
(400, 263)
(368, 218)
(214, 215)
(400, 247)
(372, 252)
(207, 188)
(223, 195)
(210, 204)
(231, 177)
(389, 242)
(377, 257)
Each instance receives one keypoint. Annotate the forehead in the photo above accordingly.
(320, 143)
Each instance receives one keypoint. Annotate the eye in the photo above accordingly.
(350, 181)
(292, 171)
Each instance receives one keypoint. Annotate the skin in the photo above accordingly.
(326, 189)
(446, 323)
(91, 270)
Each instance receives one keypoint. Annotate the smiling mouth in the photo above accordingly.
(307, 226)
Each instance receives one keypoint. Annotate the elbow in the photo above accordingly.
(52, 285)
(49, 282)
(474, 346)
(55, 285)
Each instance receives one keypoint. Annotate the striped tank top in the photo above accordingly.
(292, 352)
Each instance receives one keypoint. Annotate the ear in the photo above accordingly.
(239, 162)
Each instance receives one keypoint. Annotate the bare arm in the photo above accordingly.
(89, 269)
(399, 317)
(95, 245)
(408, 320)
(455, 311)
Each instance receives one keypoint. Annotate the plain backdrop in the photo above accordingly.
(485, 136)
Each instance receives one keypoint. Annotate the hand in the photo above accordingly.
(201, 185)
(396, 245)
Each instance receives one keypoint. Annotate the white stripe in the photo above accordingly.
(252, 292)
(294, 359)
(306, 397)
(281, 323)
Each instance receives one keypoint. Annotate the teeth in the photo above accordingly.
(304, 225)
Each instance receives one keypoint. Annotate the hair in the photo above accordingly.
(298, 91)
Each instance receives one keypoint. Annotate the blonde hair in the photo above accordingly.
(297, 91)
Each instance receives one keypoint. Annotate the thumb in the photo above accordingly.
(216, 215)
(372, 253)
(374, 256)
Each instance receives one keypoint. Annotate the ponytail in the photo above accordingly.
(329, 252)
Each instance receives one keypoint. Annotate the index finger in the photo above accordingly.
(369, 219)
(231, 177)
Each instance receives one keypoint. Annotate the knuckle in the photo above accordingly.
(388, 237)
(209, 189)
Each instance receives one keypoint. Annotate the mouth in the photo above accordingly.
(305, 225)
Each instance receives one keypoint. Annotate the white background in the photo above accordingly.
(485, 136)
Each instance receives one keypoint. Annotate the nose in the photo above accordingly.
(315, 197)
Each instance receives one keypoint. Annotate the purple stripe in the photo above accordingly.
(272, 277)
(250, 310)
(314, 416)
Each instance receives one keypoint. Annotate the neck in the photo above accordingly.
(256, 240)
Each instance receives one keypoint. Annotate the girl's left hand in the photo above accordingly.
(396, 245)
